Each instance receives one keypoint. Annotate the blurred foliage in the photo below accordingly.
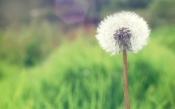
(162, 12)
(166, 36)
(80, 75)
(28, 45)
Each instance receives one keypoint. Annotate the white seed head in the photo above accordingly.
(123, 31)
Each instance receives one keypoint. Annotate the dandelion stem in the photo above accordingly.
(125, 80)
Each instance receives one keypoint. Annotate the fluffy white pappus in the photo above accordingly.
(107, 28)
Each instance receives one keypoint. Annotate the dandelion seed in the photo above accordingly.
(123, 31)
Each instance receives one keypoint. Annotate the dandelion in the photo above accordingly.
(126, 32)
(122, 31)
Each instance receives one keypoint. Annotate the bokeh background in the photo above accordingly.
(50, 58)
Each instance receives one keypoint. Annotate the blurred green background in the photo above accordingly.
(50, 58)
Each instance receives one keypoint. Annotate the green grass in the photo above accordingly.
(166, 36)
(80, 75)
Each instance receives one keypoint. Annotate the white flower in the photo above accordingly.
(123, 31)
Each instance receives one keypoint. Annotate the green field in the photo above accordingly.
(80, 75)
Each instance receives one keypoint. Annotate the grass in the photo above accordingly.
(80, 75)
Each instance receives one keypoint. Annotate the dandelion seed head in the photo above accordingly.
(123, 31)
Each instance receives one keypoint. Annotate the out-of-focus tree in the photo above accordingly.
(132, 4)
(162, 12)
(138, 3)
(99, 8)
